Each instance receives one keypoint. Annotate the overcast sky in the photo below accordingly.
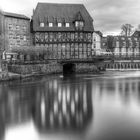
(108, 15)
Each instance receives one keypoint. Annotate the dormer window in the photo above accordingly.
(79, 24)
(79, 21)
(67, 24)
(50, 24)
(59, 24)
(41, 24)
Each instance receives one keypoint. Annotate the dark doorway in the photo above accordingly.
(69, 68)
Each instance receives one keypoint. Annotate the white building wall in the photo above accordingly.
(96, 46)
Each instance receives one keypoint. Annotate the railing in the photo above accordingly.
(121, 57)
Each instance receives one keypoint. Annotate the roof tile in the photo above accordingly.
(63, 13)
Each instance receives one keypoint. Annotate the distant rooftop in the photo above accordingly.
(99, 33)
(14, 15)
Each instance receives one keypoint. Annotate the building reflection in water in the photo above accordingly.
(15, 106)
(126, 89)
(63, 106)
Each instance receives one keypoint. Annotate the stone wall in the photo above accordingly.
(86, 68)
(50, 68)
(17, 32)
(36, 69)
(4, 75)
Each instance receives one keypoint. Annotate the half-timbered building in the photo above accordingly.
(65, 29)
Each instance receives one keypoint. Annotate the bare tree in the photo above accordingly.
(126, 29)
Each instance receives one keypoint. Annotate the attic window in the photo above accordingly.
(50, 24)
(79, 25)
(67, 24)
(59, 24)
(41, 24)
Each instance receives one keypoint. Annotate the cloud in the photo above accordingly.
(108, 15)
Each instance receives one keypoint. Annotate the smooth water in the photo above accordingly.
(78, 107)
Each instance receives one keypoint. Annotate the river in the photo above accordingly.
(76, 107)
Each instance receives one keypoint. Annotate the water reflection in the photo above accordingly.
(127, 89)
(63, 106)
(94, 104)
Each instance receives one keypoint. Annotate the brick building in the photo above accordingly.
(65, 29)
(1, 31)
(16, 31)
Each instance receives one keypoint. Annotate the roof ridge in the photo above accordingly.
(15, 15)
(61, 10)
(60, 3)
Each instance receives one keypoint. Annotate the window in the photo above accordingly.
(72, 36)
(67, 24)
(117, 44)
(79, 24)
(10, 36)
(124, 44)
(41, 24)
(18, 37)
(50, 24)
(137, 44)
(24, 38)
(17, 27)
(59, 24)
(10, 26)
(81, 35)
(59, 36)
(24, 28)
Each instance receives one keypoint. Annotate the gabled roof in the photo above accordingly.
(136, 33)
(63, 13)
(99, 33)
(79, 17)
(14, 15)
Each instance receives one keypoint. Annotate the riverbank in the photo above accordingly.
(18, 72)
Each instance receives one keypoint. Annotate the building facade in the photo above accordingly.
(1, 31)
(97, 42)
(126, 46)
(16, 31)
(65, 29)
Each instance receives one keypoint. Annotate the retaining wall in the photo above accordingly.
(86, 68)
(36, 69)
(49, 68)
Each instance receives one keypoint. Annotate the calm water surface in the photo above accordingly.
(79, 107)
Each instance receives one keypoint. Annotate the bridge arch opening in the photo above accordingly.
(69, 68)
